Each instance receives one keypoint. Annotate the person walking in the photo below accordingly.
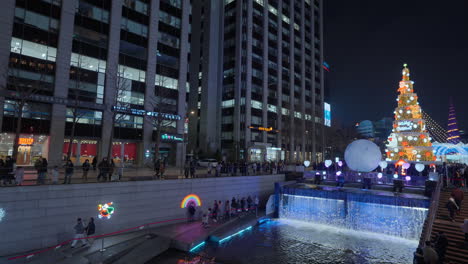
(458, 196)
(55, 175)
(86, 166)
(90, 230)
(191, 212)
(19, 175)
(452, 208)
(69, 168)
(430, 255)
(79, 233)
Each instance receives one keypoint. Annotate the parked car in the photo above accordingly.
(207, 162)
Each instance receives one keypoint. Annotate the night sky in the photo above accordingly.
(367, 42)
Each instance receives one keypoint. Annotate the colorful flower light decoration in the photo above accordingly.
(105, 210)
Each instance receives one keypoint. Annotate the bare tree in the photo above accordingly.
(120, 104)
(161, 105)
(23, 92)
(76, 112)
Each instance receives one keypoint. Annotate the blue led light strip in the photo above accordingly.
(197, 246)
(238, 233)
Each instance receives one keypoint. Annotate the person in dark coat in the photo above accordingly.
(94, 163)
(103, 167)
(90, 230)
(69, 168)
(9, 163)
(85, 167)
(440, 245)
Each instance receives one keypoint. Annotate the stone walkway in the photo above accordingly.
(182, 236)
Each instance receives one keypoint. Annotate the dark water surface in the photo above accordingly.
(295, 242)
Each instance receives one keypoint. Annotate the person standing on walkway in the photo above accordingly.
(9, 170)
(94, 163)
(157, 168)
(256, 202)
(186, 169)
(90, 230)
(44, 168)
(69, 168)
(103, 167)
(19, 175)
(162, 169)
(55, 175)
(79, 233)
(227, 210)
(111, 170)
(192, 169)
(249, 203)
(457, 194)
(86, 167)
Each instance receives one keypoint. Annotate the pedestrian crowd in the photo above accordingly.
(223, 211)
(223, 168)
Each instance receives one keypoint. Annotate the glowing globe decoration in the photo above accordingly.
(362, 155)
(383, 164)
(340, 163)
(328, 163)
(306, 163)
(379, 175)
(395, 176)
(408, 178)
(105, 210)
(324, 172)
(338, 173)
(406, 165)
(419, 167)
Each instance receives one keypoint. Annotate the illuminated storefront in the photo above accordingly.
(31, 147)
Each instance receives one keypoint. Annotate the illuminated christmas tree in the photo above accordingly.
(409, 139)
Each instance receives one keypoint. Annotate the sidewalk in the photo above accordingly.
(182, 235)
(129, 174)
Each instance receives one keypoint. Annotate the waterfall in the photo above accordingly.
(357, 213)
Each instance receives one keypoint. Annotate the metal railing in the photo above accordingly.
(431, 215)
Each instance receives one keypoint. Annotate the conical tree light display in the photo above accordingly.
(409, 139)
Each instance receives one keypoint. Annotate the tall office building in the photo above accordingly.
(272, 95)
(122, 63)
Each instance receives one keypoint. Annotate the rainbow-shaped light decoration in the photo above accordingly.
(191, 198)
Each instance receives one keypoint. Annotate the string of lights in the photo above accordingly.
(437, 131)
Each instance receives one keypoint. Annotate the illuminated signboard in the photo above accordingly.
(171, 137)
(327, 114)
(25, 141)
(142, 112)
(405, 125)
(267, 129)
